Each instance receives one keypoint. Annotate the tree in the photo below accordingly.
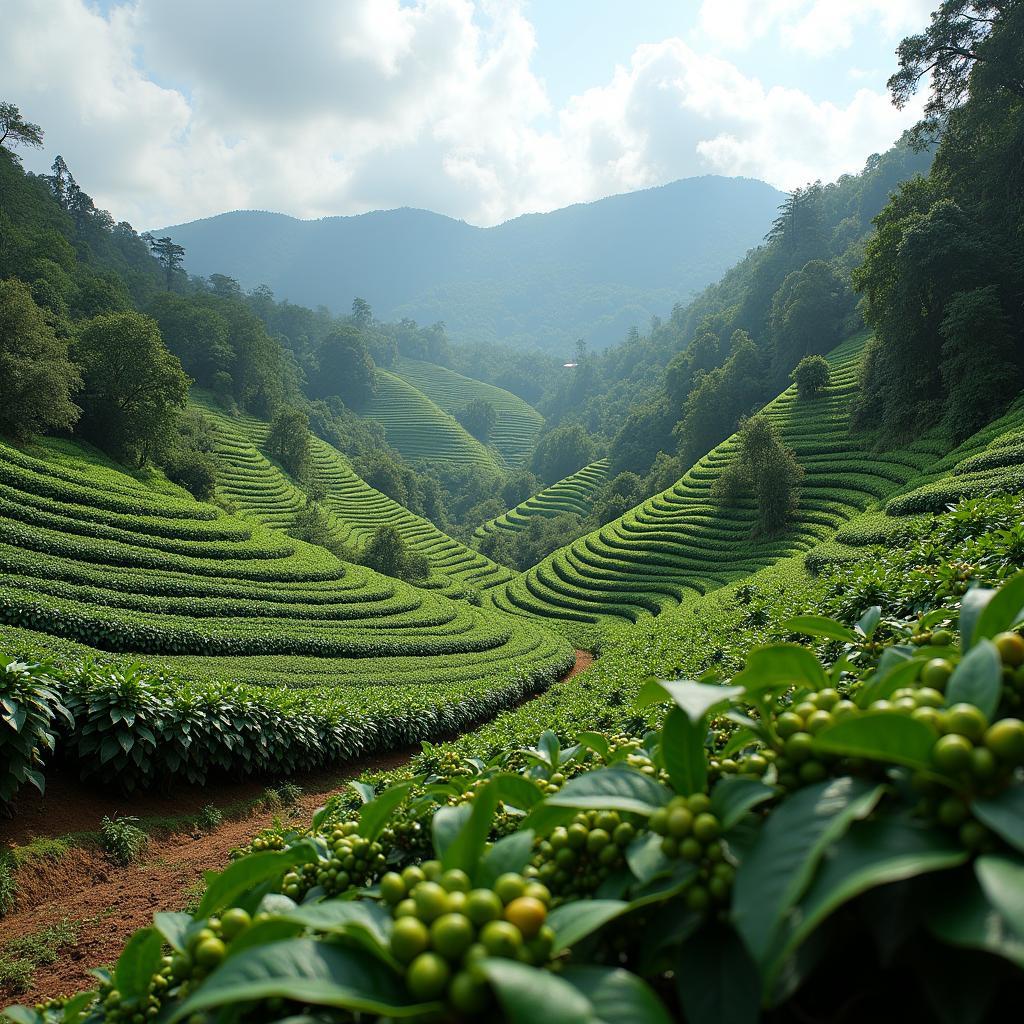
(962, 35)
(198, 336)
(362, 314)
(37, 379)
(807, 315)
(387, 553)
(811, 376)
(562, 451)
(345, 368)
(16, 131)
(479, 418)
(766, 468)
(519, 486)
(288, 441)
(169, 255)
(132, 386)
(979, 371)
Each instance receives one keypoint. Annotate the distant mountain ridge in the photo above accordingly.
(590, 270)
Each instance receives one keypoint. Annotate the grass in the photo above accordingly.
(518, 424)
(19, 958)
(573, 494)
(419, 429)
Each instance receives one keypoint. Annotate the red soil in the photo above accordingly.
(107, 902)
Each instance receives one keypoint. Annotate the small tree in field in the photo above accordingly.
(479, 418)
(387, 553)
(288, 441)
(811, 376)
(768, 469)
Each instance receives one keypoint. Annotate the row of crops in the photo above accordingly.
(419, 429)
(95, 557)
(518, 423)
(682, 541)
(259, 488)
(573, 494)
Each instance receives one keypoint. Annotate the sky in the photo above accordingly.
(171, 110)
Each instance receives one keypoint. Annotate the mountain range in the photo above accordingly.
(588, 271)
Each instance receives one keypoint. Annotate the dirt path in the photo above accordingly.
(108, 902)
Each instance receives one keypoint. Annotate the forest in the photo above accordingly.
(353, 671)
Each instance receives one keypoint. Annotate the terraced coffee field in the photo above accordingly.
(988, 463)
(518, 425)
(259, 488)
(95, 557)
(420, 429)
(682, 541)
(572, 494)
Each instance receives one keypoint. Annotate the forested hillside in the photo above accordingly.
(541, 280)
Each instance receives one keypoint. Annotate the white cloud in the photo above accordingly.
(167, 112)
(813, 27)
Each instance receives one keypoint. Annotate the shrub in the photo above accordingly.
(288, 441)
(195, 471)
(210, 817)
(122, 839)
(811, 376)
(479, 417)
(29, 711)
(389, 554)
(768, 468)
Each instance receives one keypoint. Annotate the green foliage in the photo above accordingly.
(16, 131)
(287, 442)
(766, 467)
(344, 368)
(210, 818)
(38, 378)
(479, 417)
(808, 315)
(387, 553)
(811, 376)
(30, 713)
(131, 385)
(122, 839)
(561, 452)
(753, 831)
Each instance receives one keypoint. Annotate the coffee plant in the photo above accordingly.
(804, 836)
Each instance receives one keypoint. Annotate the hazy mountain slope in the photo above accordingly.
(590, 270)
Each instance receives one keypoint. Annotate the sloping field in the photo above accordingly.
(259, 488)
(990, 462)
(421, 430)
(572, 494)
(682, 541)
(518, 426)
(89, 554)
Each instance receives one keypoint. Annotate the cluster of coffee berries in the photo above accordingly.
(936, 638)
(796, 761)
(692, 832)
(574, 860)
(1011, 651)
(751, 764)
(353, 860)
(443, 927)
(180, 973)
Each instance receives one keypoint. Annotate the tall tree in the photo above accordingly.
(132, 386)
(38, 378)
(959, 37)
(169, 254)
(16, 131)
